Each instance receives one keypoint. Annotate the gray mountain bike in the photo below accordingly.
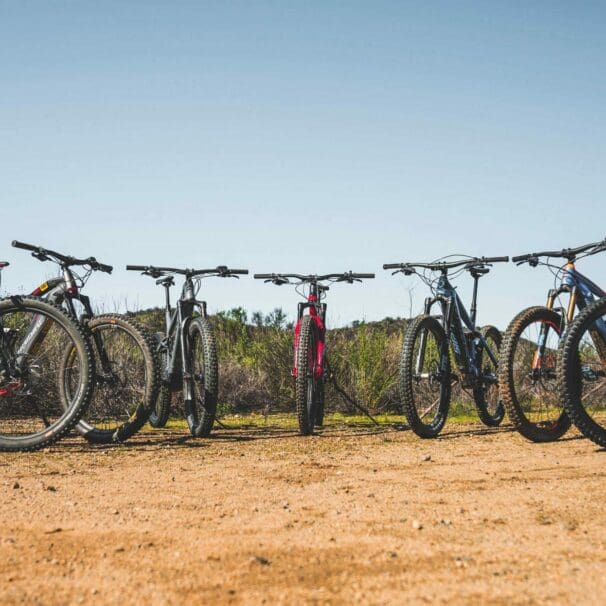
(34, 335)
(125, 367)
(187, 349)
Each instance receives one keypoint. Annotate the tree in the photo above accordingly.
(276, 318)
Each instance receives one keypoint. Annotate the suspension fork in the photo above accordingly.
(188, 392)
(429, 303)
(96, 336)
(537, 360)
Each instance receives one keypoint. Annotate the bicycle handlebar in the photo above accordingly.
(445, 265)
(222, 271)
(566, 253)
(43, 254)
(342, 277)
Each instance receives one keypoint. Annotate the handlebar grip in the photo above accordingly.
(520, 258)
(106, 268)
(495, 259)
(263, 276)
(362, 275)
(24, 246)
(136, 267)
(241, 272)
(392, 265)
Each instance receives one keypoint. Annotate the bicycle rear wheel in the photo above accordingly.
(126, 382)
(582, 372)
(307, 382)
(486, 393)
(161, 410)
(425, 378)
(527, 378)
(33, 336)
(201, 410)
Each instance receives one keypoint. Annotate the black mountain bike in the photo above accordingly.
(187, 349)
(34, 335)
(311, 370)
(529, 356)
(426, 366)
(125, 385)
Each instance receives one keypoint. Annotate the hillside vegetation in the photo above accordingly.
(256, 358)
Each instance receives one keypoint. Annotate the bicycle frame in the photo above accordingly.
(455, 319)
(63, 291)
(317, 311)
(54, 291)
(582, 292)
(177, 322)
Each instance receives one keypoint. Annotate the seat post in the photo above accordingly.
(167, 286)
(474, 298)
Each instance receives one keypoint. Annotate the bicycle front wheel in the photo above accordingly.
(425, 378)
(33, 410)
(201, 410)
(582, 372)
(307, 387)
(126, 382)
(527, 375)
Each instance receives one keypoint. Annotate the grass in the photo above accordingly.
(288, 421)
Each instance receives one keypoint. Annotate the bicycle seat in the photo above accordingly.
(322, 288)
(166, 281)
(476, 272)
(4, 264)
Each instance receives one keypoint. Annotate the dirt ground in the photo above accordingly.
(261, 515)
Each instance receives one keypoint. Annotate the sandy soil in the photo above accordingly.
(263, 516)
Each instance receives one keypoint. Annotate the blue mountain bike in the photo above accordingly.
(529, 355)
(426, 364)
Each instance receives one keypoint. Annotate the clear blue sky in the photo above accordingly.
(310, 137)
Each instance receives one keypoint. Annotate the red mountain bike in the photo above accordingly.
(310, 369)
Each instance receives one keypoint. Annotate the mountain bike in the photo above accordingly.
(33, 409)
(528, 359)
(311, 370)
(581, 372)
(125, 382)
(426, 375)
(187, 349)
